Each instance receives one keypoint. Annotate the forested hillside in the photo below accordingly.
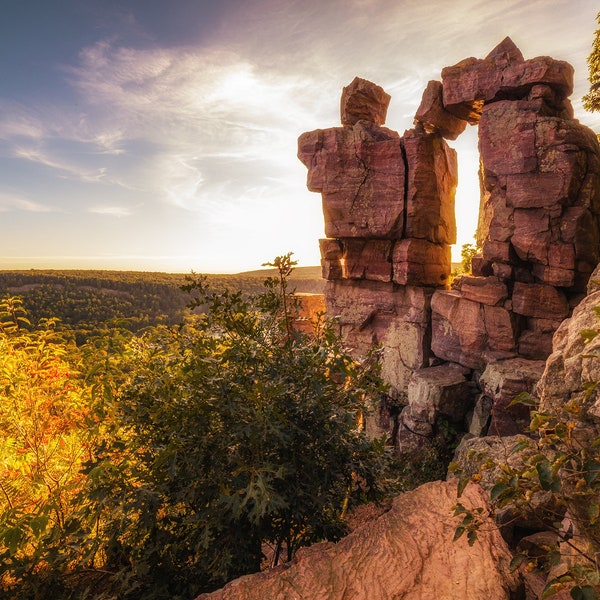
(88, 300)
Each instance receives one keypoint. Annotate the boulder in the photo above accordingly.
(363, 100)
(397, 317)
(502, 381)
(422, 263)
(359, 171)
(432, 115)
(470, 333)
(507, 140)
(440, 391)
(541, 301)
(432, 174)
(367, 259)
(408, 552)
(486, 290)
(503, 74)
(535, 345)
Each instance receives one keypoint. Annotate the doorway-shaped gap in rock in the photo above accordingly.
(467, 202)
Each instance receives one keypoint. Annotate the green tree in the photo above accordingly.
(467, 252)
(591, 101)
(237, 433)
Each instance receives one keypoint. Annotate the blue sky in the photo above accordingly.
(161, 135)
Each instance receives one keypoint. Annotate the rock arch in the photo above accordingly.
(388, 203)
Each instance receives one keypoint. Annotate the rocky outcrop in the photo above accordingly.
(388, 203)
(574, 362)
(540, 180)
(408, 553)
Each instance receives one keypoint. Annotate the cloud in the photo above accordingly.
(112, 211)
(13, 203)
(202, 115)
(209, 130)
(68, 169)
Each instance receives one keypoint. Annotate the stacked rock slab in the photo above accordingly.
(388, 204)
(538, 224)
(539, 214)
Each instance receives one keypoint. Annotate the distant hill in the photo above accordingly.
(89, 300)
(302, 273)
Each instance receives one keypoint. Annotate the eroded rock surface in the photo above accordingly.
(388, 204)
(406, 553)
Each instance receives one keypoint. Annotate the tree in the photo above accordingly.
(591, 101)
(55, 409)
(45, 437)
(467, 252)
(236, 433)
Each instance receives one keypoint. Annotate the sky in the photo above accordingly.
(161, 135)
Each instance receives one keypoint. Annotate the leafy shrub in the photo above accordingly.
(166, 465)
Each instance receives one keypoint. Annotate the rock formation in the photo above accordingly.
(408, 552)
(388, 203)
(458, 353)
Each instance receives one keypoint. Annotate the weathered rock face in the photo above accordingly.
(359, 171)
(397, 317)
(406, 553)
(572, 362)
(470, 333)
(501, 382)
(388, 202)
(540, 200)
(432, 179)
(539, 223)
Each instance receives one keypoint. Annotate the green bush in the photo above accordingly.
(236, 432)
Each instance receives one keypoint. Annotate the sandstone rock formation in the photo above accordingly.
(573, 361)
(408, 553)
(388, 203)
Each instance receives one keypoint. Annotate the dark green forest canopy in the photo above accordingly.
(86, 300)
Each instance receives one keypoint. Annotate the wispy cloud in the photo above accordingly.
(12, 203)
(112, 211)
(68, 169)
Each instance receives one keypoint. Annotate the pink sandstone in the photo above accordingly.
(360, 172)
(432, 179)
(434, 117)
(408, 552)
(419, 262)
(362, 100)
